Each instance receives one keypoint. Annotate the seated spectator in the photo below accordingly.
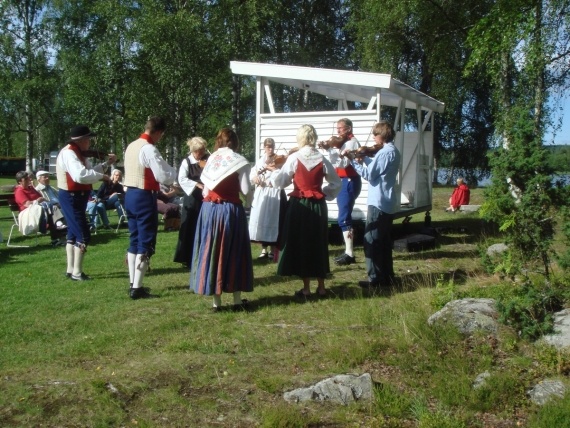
(112, 194)
(167, 206)
(45, 188)
(460, 196)
(96, 209)
(25, 196)
(50, 194)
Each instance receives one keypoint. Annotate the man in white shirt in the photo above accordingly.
(145, 171)
(75, 178)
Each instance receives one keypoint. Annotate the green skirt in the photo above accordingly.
(304, 242)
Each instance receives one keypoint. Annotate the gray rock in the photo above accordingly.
(561, 337)
(468, 315)
(481, 380)
(546, 390)
(341, 389)
(496, 249)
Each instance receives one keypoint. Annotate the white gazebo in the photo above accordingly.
(375, 94)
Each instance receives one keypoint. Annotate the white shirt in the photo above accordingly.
(150, 157)
(68, 161)
(185, 183)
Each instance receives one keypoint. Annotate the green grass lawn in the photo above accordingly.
(84, 354)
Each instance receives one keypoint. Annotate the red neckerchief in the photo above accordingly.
(147, 138)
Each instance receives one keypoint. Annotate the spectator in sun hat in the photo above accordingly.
(45, 188)
(75, 178)
(26, 196)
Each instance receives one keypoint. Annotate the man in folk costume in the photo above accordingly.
(351, 184)
(221, 260)
(145, 170)
(75, 178)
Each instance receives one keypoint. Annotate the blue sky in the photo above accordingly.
(562, 111)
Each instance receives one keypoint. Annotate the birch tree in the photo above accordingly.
(28, 81)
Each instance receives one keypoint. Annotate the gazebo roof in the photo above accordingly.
(356, 86)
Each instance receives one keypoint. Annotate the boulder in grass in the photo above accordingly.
(560, 339)
(340, 389)
(468, 315)
(544, 391)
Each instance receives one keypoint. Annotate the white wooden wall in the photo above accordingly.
(416, 149)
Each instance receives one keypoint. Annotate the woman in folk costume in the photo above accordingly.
(269, 202)
(221, 260)
(189, 180)
(304, 242)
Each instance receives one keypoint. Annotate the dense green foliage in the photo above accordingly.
(529, 308)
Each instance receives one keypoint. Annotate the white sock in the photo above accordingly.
(77, 261)
(141, 265)
(348, 242)
(237, 297)
(131, 262)
(69, 250)
(217, 300)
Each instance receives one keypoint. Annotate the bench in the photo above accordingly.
(4, 199)
(469, 208)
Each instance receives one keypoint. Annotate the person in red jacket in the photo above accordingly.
(460, 196)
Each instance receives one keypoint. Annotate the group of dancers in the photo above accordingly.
(215, 235)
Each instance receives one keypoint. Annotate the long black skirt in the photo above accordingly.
(304, 241)
(188, 220)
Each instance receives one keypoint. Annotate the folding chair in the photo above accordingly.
(121, 217)
(15, 210)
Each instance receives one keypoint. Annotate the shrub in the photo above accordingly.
(529, 309)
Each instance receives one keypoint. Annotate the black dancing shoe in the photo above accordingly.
(81, 277)
(345, 260)
(141, 293)
(244, 306)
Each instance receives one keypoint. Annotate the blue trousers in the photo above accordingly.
(73, 205)
(142, 216)
(114, 203)
(378, 246)
(345, 201)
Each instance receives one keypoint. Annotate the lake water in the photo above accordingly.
(443, 173)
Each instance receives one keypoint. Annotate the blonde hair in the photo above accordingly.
(196, 143)
(307, 136)
(460, 181)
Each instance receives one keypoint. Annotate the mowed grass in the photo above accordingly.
(84, 354)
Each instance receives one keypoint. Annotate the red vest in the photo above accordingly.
(308, 184)
(226, 191)
(73, 186)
